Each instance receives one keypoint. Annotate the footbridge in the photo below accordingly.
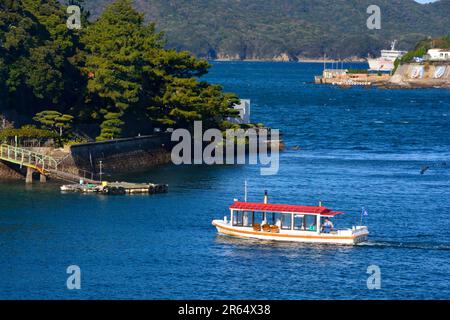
(45, 165)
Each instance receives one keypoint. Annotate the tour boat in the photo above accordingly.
(281, 222)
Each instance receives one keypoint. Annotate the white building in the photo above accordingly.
(244, 112)
(334, 73)
(439, 54)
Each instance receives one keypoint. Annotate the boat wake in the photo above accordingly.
(407, 245)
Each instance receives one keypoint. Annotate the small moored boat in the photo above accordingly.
(280, 222)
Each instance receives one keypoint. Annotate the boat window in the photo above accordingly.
(276, 219)
(286, 221)
(238, 218)
(247, 219)
(299, 222)
(271, 218)
(258, 218)
(268, 217)
(326, 228)
(310, 222)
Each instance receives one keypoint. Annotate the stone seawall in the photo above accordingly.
(123, 155)
(418, 75)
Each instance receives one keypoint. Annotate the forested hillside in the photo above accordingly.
(261, 29)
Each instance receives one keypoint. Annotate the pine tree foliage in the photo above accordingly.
(113, 75)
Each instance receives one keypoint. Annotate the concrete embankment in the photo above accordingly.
(421, 75)
(123, 155)
(132, 154)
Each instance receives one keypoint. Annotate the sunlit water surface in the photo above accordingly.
(358, 147)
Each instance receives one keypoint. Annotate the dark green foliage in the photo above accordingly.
(35, 53)
(429, 43)
(54, 121)
(307, 28)
(111, 126)
(26, 132)
(187, 100)
(114, 75)
(420, 52)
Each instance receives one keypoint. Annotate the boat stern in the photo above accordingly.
(360, 234)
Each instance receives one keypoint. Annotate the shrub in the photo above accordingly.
(27, 133)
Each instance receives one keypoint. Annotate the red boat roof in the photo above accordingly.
(282, 208)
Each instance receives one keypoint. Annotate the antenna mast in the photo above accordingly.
(245, 190)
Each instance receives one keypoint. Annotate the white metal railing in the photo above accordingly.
(27, 158)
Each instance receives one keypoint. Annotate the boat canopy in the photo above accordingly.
(282, 208)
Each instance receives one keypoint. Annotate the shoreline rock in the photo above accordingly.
(9, 173)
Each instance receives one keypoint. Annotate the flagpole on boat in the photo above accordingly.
(245, 190)
(362, 210)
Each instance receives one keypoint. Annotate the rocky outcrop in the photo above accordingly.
(284, 57)
(7, 172)
(227, 57)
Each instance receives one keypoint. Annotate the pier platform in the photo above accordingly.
(116, 188)
(342, 77)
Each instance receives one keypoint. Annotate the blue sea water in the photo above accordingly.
(358, 147)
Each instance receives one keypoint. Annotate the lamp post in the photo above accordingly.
(101, 170)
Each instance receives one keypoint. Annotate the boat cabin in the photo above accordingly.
(277, 217)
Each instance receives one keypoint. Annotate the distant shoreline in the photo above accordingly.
(330, 60)
(304, 60)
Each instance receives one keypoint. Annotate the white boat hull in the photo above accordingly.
(381, 65)
(345, 237)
